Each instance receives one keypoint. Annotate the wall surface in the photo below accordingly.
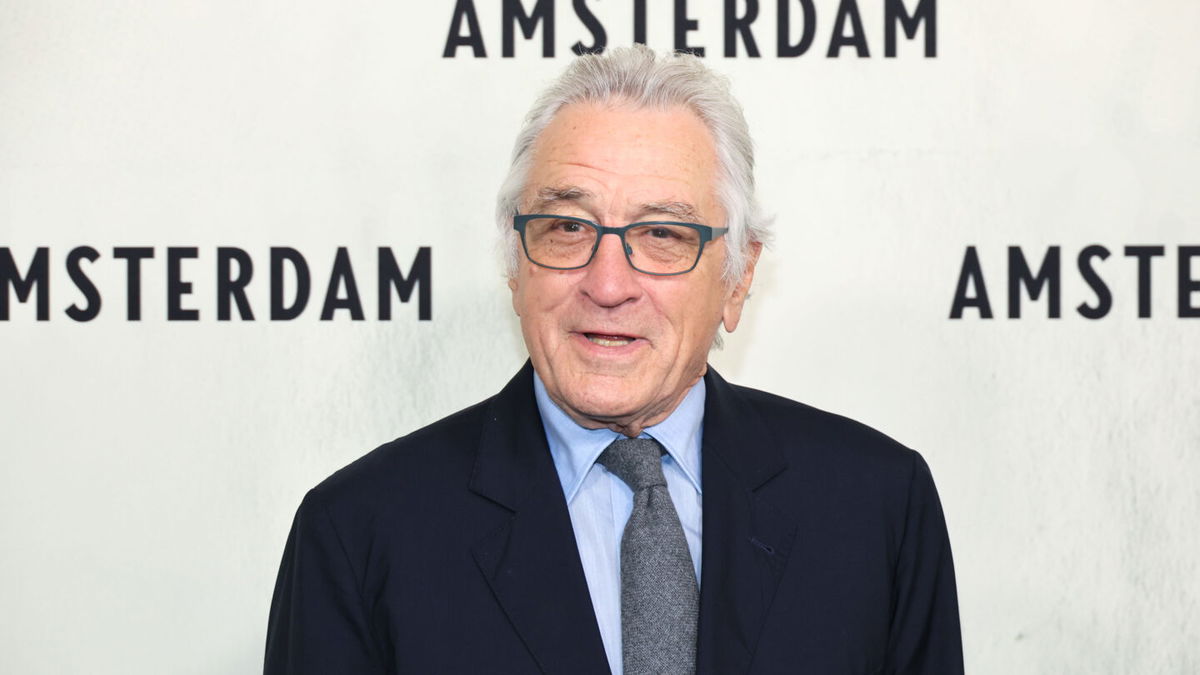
(152, 466)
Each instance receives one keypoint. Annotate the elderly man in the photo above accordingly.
(619, 507)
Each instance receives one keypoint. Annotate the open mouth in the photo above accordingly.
(605, 340)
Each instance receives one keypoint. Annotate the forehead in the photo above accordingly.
(622, 154)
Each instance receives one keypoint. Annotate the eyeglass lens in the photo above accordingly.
(657, 248)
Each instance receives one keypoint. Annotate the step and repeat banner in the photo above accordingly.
(243, 243)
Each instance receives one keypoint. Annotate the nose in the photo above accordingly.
(609, 280)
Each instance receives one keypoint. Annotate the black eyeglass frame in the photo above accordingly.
(706, 232)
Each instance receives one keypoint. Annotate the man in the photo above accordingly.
(619, 507)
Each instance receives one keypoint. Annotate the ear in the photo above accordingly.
(731, 314)
(512, 286)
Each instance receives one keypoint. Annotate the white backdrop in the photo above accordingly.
(151, 468)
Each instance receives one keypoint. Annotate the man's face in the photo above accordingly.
(616, 347)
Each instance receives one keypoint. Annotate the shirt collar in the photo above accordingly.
(575, 449)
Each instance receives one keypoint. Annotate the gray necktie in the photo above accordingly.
(660, 601)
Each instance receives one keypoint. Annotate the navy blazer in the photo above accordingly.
(450, 550)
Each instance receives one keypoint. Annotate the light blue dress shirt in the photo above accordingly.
(600, 503)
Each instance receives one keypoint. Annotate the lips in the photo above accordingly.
(607, 338)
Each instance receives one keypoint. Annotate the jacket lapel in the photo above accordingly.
(532, 561)
(746, 540)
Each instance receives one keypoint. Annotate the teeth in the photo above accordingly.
(606, 342)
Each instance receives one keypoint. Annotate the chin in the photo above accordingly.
(601, 400)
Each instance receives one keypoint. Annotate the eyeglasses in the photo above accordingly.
(662, 248)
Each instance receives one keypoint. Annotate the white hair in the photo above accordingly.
(638, 76)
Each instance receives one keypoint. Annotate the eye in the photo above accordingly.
(568, 226)
(663, 233)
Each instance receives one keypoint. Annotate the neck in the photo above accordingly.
(630, 425)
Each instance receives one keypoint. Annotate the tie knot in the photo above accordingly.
(637, 461)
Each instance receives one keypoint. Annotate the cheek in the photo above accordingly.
(542, 299)
(689, 315)
(700, 322)
(699, 305)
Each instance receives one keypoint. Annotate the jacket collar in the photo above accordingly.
(532, 562)
(746, 539)
(737, 435)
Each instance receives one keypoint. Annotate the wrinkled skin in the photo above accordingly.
(617, 348)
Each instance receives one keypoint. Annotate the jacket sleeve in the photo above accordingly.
(318, 623)
(925, 637)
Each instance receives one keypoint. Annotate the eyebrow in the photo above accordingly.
(548, 196)
(676, 209)
(573, 194)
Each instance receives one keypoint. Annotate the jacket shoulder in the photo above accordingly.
(424, 461)
(814, 435)
(842, 476)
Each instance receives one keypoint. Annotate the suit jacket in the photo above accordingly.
(450, 550)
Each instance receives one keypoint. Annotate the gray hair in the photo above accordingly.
(639, 76)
